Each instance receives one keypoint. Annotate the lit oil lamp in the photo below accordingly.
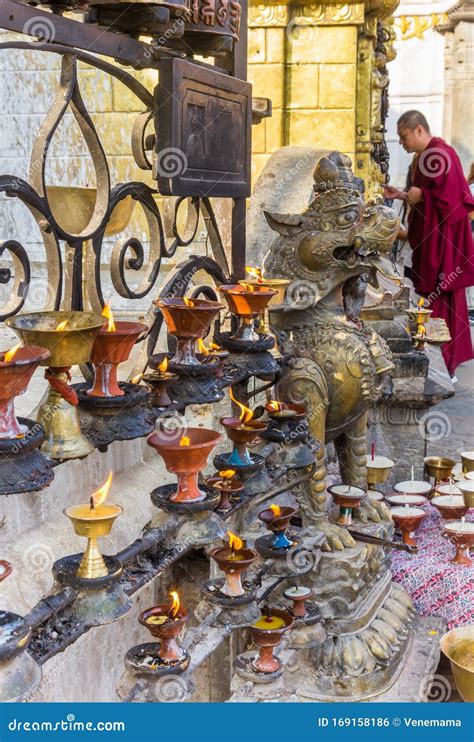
(461, 533)
(69, 337)
(467, 461)
(234, 560)
(94, 520)
(440, 468)
(212, 353)
(165, 622)
(285, 410)
(267, 634)
(467, 491)
(247, 302)
(228, 486)
(378, 468)
(408, 518)
(17, 366)
(298, 594)
(347, 497)
(242, 431)
(418, 318)
(186, 457)
(277, 519)
(279, 285)
(187, 320)
(159, 383)
(112, 346)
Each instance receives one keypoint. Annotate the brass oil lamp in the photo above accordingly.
(187, 320)
(243, 431)
(467, 490)
(467, 461)
(234, 560)
(378, 469)
(247, 302)
(458, 646)
(440, 468)
(69, 337)
(418, 318)
(112, 346)
(186, 456)
(166, 622)
(94, 520)
(348, 497)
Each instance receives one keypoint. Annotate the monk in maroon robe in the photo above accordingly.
(439, 231)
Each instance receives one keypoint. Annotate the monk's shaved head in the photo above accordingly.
(412, 119)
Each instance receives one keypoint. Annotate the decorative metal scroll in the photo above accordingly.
(101, 213)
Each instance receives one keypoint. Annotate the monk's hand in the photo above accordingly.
(414, 195)
(390, 191)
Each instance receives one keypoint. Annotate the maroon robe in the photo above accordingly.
(439, 232)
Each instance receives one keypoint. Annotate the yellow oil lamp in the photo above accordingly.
(69, 337)
(93, 520)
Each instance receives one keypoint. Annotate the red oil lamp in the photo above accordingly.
(408, 518)
(17, 366)
(461, 533)
(229, 487)
(186, 457)
(247, 302)
(165, 622)
(277, 520)
(242, 431)
(347, 497)
(267, 634)
(112, 346)
(188, 320)
(233, 559)
(159, 383)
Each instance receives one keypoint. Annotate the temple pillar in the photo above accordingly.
(323, 66)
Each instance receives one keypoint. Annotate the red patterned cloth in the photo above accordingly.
(437, 587)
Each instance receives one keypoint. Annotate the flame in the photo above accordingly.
(235, 542)
(246, 286)
(275, 406)
(163, 366)
(422, 330)
(276, 510)
(98, 497)
(136, 379)
(227, 473)
(9, 354)
(254, 273)
(421, 302)
(185, 441)
(175, 606)
(188, 302)
(62, 325)
(201, 347)
(107, 312)
(246, 413)
(214, 346)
